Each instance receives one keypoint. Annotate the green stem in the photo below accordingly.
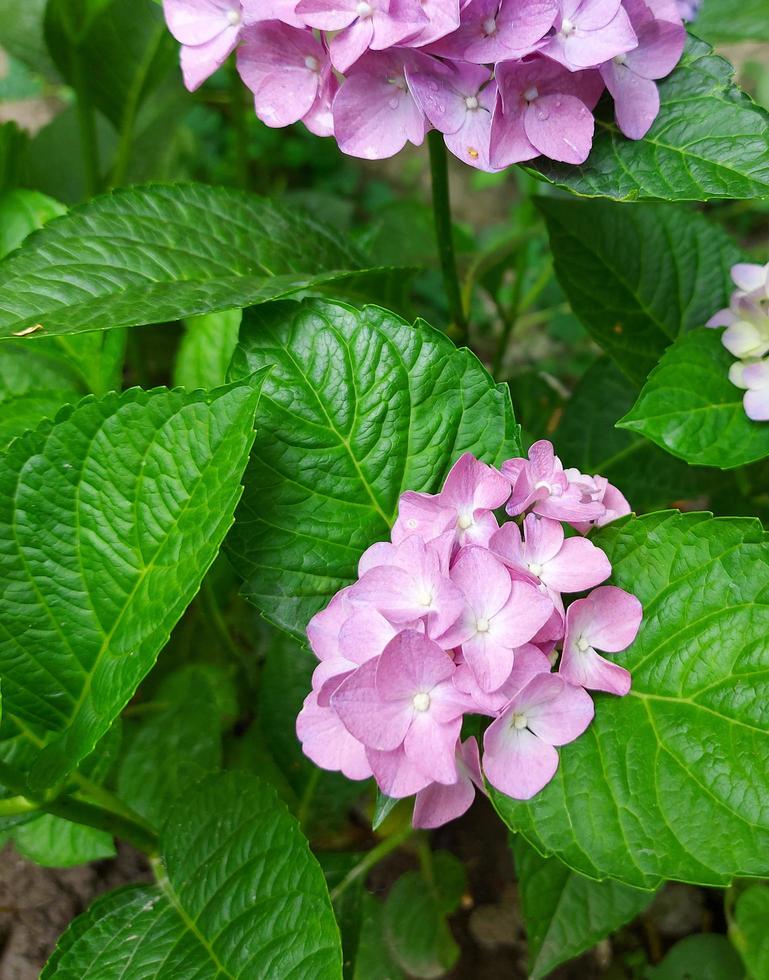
(521, 264)
(238, 113)
(371, 858)
(444, 234)
(86, 117)
(132, 103)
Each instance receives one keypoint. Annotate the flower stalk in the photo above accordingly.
(444, 234)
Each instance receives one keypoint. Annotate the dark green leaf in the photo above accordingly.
(708, 141)
(21, 28)
(638, 276)
(56, 843)
(12, 144)
(109, 519)
(173, 746)
(416, 929)
(565, 912)
(674, 775)
(374, 961)
(359, 407)
(690, 407)
(588, 438)
(240, 896)
(163, 252)
(750, 930)
(705, 957)
(128, 35)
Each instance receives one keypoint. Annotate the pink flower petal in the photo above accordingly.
(327, 742)
(589, 669)
(396, 776)
(411, 664)
(430, 746)
(561, 127)
(578, 565)
(378, 723)
(515, 761)
(608, 619)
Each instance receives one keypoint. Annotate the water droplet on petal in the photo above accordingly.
(542, 114)
(394, 102)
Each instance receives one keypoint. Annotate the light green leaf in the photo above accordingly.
(730, 21)
(21, 28)
(588, 438)
(749, 930)
(163, 252)
(109, 519)
(708, 141)
(240, 896)
(638, 276)
(359, 407)
(565, 912)
(689, 406)
(21, 212)
(206, 349)
(129, 35)
(56, 843)
(174, 746)
(676, 773)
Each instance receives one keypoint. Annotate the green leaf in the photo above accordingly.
(729, 21)
(129, 35)
(174, 746)
(565, 912)
(206, 349)
(163, 252)
(21, 28)
(56, 843)
(374, 960)
(416, 928)
(749, 930)
(20, 213)
(359, 407)
(587, 437)
(240, 896)
(109, 519)
(708, 141)
(690, 407)
(638, 276)
(705, 957)
(675, 775)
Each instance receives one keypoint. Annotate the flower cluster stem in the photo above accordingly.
(370, 859)
(444, 234)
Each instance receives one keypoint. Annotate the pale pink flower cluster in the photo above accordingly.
(504, 81)
(457, 616)
(747, 336)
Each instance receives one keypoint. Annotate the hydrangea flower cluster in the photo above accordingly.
(504, 81)
(747, 336)
(458, 616)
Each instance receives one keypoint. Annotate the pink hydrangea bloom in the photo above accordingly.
(439, 803)
(608, 620)
(629, 76)
(753, 376)
(290, 74)
(590, 32)
(519, 754)
(543, 109)
(457, 616)
(493, 31)
(208, 31)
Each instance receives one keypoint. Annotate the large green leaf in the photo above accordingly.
(359, 407)
(749, 930)
(708, 141)
(108, 520)
(240, 896)
(707, 956)
(565, 912)
(163, 252)
(729, 21)
(588, 438)
(671, 781)
(690, 407)
(638, 276)
(20, 213)
(21, 28)
(206, 349)
(128, 35)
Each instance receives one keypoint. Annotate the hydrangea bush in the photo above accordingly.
(365, 561)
